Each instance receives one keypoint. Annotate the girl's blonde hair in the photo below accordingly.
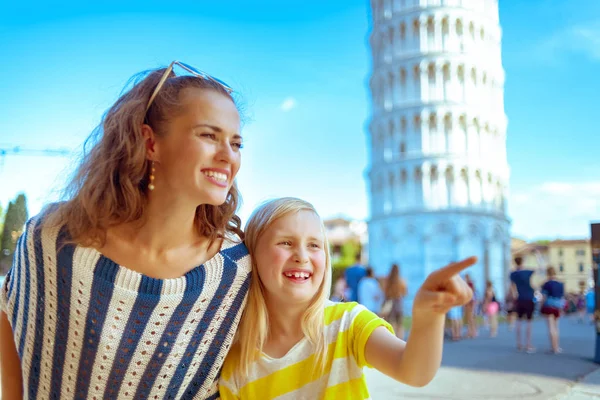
(254, 326)
(110, 187)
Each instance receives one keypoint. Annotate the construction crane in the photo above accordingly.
(20, 151)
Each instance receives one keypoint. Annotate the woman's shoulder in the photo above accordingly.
(234, 249)
(39, 227)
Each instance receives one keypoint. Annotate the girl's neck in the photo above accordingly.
(285, 328)
(285, 319)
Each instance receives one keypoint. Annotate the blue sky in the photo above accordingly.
(301, 68)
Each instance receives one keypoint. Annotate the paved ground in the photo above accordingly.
(486, 368)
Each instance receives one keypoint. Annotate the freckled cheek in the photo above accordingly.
(271, 263)
(318, 261)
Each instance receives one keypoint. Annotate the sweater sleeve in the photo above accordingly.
(18, 285)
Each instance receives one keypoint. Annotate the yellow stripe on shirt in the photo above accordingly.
(352, 389)
(296, 373)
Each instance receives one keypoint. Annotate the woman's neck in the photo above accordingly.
(167, 224)
(167, 235)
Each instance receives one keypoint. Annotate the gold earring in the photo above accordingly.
(151, 184)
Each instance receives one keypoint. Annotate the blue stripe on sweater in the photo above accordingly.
(236, 252)
(26, 300)
(229, 273)
(64, 277)
(147, 298)
(215, 347)
(16, 263)
(105, 274)
(176, 322)
(38, 342)
(20, 270)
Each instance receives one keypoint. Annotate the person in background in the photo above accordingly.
(510, 303)
(455, 316)
(491, 308)
(581, 306)
(353, 276)
(522, 279)
(470, 309)
(590, 304)
(552, 305)
(339, 290)
(395, 290)
(370, 294)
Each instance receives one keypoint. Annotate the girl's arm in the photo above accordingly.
(10, 365)
(416, 362)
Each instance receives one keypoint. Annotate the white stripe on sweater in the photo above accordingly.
(80, 302)
(120, 306)
(50, 308)
(30, 329)
(153, 332)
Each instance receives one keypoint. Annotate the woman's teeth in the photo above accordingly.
(219, 176)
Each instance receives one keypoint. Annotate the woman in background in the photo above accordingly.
(395, 290)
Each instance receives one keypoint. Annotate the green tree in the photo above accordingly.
(14, 222)
(1, 221)
(348, 253)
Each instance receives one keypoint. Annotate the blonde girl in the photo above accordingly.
(293, 343)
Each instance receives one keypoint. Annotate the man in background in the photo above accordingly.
(370, 294)
(524, 306)
(353, 275)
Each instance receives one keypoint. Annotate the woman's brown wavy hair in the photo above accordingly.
(109, 187)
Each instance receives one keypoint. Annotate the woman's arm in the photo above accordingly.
(416, 362)
(10, 364)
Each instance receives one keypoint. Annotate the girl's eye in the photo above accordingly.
(315, 246)
(286, 243)
(238, 145)
(209, 135)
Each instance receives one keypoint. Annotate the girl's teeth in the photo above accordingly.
(304, 275)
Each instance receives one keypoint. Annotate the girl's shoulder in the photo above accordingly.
(345, 312)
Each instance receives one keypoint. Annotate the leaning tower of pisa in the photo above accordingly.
(438, 173)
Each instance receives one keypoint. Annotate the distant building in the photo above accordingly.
(572, 260)
(438, 173)
(342, 230)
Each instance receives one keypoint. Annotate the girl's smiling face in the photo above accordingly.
(290, 258)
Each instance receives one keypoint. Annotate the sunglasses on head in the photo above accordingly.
(192, 71)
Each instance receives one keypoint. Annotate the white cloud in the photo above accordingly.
(555, 209)
(288, 104)
(582, 38)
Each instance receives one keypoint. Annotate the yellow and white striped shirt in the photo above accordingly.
(347, 329)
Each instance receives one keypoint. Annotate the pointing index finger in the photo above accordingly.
(450, 270)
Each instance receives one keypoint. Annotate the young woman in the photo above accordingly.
(553, 292)
(395, 290)
(470, 310)
(133, 287)
(491, 308)
(510, 305)
(295, 344)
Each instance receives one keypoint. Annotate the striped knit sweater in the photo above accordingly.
(87, 328)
